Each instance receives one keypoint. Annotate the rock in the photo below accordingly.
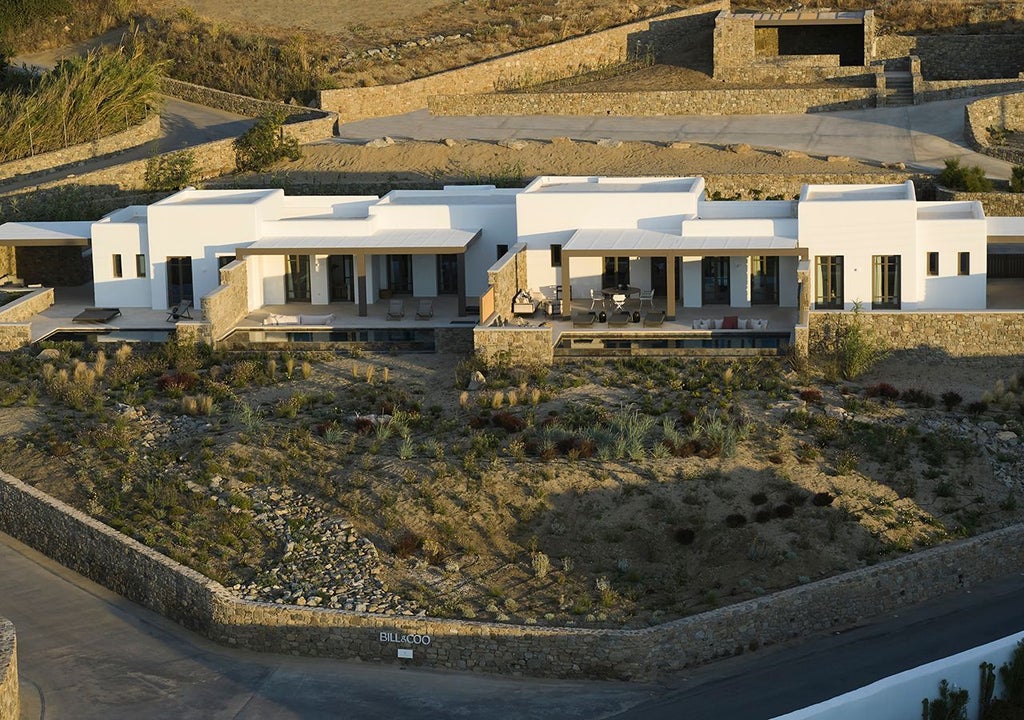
(837, 158)
(836, 412)
(991, 426)
(450, 142)
(739, 148)
(562, 140)
(609, 143)
(545, 19)
(794, 155)
(49, 354)
(1006, 436)
(477, 381)
(513, 144)
(380, 142)
(679, 145)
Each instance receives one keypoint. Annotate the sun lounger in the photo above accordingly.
(654, 318)
(618, 319)
(396, 309)
(583, 319)
(425, 310)
(179, 311)
(96, 315)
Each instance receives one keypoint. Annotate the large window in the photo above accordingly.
(615, 272)
(764, 280)
(828, 281)
(885, 281)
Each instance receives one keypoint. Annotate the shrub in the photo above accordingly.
(735, 520)
(822, 499)
(811, 395)
(1017, 179)
(763, 515)
(918, 397)
(758, 498)
(951, 399)
(784, 511)
(173, 171)
(684, 536)
(968, 179)
(265, 143)
(509, 422)
(176, 382)
(977, 407)
(882, 390)
(851, 348)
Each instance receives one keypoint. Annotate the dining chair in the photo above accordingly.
(619, 299)
(595, 299)
(646, 296)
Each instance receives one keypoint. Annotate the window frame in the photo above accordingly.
(963, 264)
(834, 264)
(882, 297)
(118, 266)
(932, 264)
(556, 255)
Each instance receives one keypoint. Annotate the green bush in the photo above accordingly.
(264, 144)
(968, 179)
(172, 171)
(1017, 179)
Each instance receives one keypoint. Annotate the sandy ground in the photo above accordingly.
(331, 163)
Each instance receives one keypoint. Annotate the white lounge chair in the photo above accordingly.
(396, 309)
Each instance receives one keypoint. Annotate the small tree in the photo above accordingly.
(171, 172)
(264, 144)
(949, 705)
(1017, 179)
(968, 179)
(850, 348)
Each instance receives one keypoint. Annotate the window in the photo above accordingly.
(556, 256)
(933, 263)
(117, 267)
(223, 260)
(885, 281)
(140, 266)
(963, 263)
(828, 281)
(502, 249)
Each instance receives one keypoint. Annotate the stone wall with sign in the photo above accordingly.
(9, 699)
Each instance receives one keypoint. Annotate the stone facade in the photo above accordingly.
(26, 307)
(140, 134)
(959, 334)
(453, 340)
(957, 57)
(935, 90)
(549, 62)
(733, 101)
(513, 344)
(193, 332)
(1003, 112)
(225, 307)
(239, 104)
(996, 204)
(506, 278)
(143, 575)
(53, 266)
(14, 336)
(9, 699)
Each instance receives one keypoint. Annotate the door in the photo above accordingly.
(659, 276)
(715, 289)
(447, 274)
(296, 279)
(179, 280)
(340, 278)
(400, 274)
(764, 280)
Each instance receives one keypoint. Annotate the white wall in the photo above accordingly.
(898, 697)
(789, 286)
(949, 290)
(424, 275)
(692, 277)
(126, 240)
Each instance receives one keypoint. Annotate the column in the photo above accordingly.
(670, 287)
(361, 283)
(460, 273)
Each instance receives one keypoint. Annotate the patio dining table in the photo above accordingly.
(627, 290)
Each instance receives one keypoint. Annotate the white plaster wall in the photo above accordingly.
(948, 290)
(789, 287)
(126, 240)
(739, 282)
(271, 277)
(424, 275)
(899, 697)
(692, 273)
(319, 292)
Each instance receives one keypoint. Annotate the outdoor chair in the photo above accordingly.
(619, 299)
(179, 311)
(645, 296)
(583, 319)
(654, 318)
(596, 298)
(96, 315)
(396, 309)
(425, 310)
(618, 319)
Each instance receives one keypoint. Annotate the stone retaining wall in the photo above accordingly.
(514, 345)
(655, 103)
(935, 90)
(507, 278)
(15, 335)
(143, 575)
(960, 334)
(147, 130)
(193, 332)
(9, 700)
(995, 204)
(957, 57)
(238, 104)
(1004, 112)
(225, 307)
(550, 62)
(26, 307)
(454, 340)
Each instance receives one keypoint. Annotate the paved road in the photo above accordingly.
(87, 653)
(921, 136)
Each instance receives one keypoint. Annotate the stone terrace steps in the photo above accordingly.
(900, 87)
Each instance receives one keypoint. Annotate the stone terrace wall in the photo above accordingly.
(14, 336)
(143, 575)
(514, 345)
(550, 62)
(957, 57)
(653, 103)
(9, 700)
(960, 334)
(24, 308)
(1005, 112)
(935, 90)
(140, 134)
(995, 204)
(229, 303)
(508, 279)
(240, 104)
(453, 340)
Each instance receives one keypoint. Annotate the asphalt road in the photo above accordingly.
(87, 653)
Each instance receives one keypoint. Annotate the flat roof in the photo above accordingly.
(950, 210)
(598, 184)
(630, 241)
(411, 241)
(804, 17)
(191, 196)
(1005, 226)
(812, 193)
(46, 234)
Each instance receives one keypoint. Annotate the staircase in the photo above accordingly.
(899, 86)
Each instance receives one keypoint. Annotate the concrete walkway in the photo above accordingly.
(921, 136)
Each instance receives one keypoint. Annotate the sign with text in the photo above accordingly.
(411, 638)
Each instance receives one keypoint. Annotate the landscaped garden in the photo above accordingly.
(617, 493)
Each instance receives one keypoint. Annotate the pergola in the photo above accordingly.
(635, 242)
(434, 241)
(46, 234)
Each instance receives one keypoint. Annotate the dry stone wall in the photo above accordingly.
(957, 57)
(655, 103)
(508, 279)
(140, 134)
(550, 62)
(230, 102)
(515, 345)
(935, 90)
(229, 303)
(15, 335)
(29, 305)
(959, 334)
(143, 575)
(1003, 112)
(9, 699)
(453, 340)
(995, 204)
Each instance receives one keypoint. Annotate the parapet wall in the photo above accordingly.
(140, 134)
(995, 204)
(231, 102)
(1003, 112)
(550, 62)
(654, 103)
(960, 334)
(9, 698)
(229, 302)
(143, 575)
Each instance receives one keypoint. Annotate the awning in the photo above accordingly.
(637, 242)
(394, 242)
(69, 233)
